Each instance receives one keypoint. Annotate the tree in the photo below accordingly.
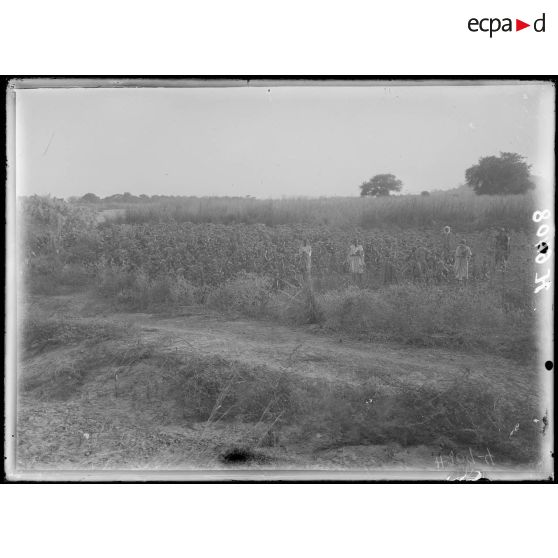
(52, 224)
(90, 198)
(425, 193)
(381, 185)
(506, 174)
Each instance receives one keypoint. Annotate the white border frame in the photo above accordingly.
(546, 347)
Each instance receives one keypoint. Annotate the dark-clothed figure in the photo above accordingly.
(389, 272)
(419, 264)
(501, 248)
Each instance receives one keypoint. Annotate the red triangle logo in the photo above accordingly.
(519, 25)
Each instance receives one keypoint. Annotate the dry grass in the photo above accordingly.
(248, 293)
(41, 334)
(479, 316)
(449, 315)
(231, 407)
(137, 291)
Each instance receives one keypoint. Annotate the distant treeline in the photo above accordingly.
(454, 208)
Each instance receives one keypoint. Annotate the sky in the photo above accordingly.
(272, 141)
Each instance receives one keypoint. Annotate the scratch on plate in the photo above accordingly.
(48, 144)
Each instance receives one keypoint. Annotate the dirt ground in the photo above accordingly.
(94, 427)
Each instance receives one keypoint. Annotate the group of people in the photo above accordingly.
(422, 264)
(355, 260)
(462, 254)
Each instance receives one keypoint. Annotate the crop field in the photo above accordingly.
(205, 332)
(211, 254)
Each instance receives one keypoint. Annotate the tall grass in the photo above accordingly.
(477, 317)
(137, 291)
(461, 211)
(448, 315)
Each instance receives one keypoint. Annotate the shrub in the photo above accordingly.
(214, 389)
(49, 275)
(136, 290)
(182, 292)
(295, 306)
(248, 293)
(444, 315)
(464, 412)
(113, 282)
(50, 224)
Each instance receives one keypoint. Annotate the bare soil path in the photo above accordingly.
(310, 352)
(305, 350)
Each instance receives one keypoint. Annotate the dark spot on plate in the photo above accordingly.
(239, 455)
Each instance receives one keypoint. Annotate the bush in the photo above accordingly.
(136, 290)
(295, 306)
(182, 292)
(465, 412)
(49, 275)
(248, 293)
(214, 389)
(50, 225)
(113, 282)
(443, 315)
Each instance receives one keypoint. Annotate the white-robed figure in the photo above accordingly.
(462, 256)
(306, 253)
(356, 261)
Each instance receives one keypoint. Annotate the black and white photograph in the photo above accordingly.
(280, 279)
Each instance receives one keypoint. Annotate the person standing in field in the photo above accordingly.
(356, 261)
(418, 262)
(447, 244)
(462, 256)
(501, 248)
(390, 273)
(306, 253)
(422, 255)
